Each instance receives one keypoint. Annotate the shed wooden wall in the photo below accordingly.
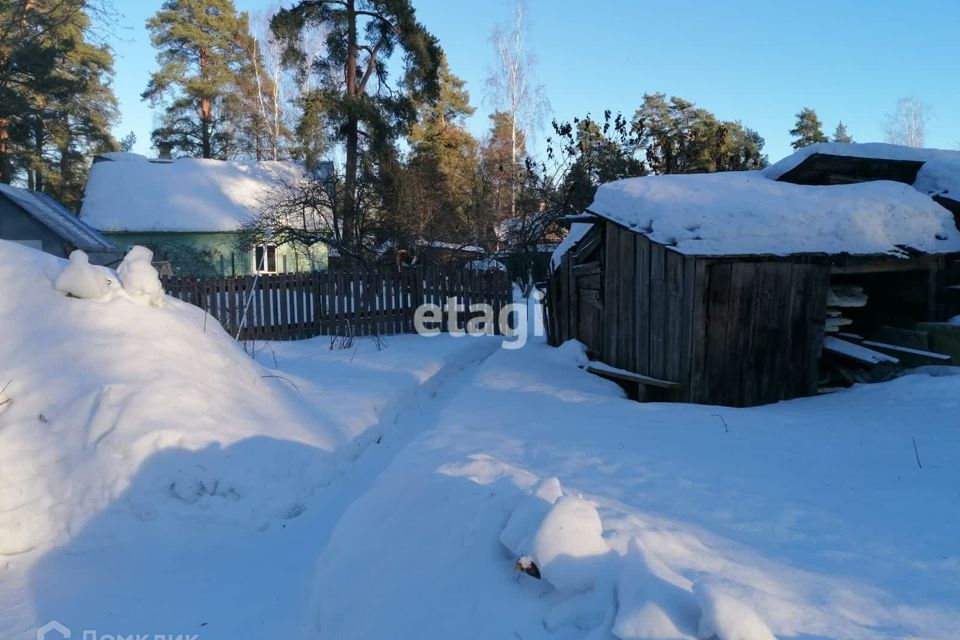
(760, 333)
(648, 299)
(732, 331)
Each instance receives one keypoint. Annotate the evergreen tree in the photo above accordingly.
(56, 105)
(840, 134)
(807, 130)
(501, 172)
(679, 137)
(202, 65)
(128, 141)
(310, 136)
(444, 158)
(365, 112)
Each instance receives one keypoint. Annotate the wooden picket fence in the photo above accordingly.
(350, 302)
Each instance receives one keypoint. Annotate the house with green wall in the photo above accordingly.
(190, 212)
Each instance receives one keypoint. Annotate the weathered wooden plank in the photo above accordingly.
(673, 328)
(658, 310)
(627, 308)
(607, 371)
(611, 294)
(640, 323)
(687, 323)
(731, 369)
(715, 335)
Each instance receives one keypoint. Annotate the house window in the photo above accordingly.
(268, 265)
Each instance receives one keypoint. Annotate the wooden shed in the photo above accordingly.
(715, 288)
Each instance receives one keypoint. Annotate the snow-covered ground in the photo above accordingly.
(808, 519)
(154, 479)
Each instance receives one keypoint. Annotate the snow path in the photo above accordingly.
(195, 572)
(809, 518)
(401, 424)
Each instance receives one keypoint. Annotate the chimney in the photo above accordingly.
(164, 151)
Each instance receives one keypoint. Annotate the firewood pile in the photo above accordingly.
(849, 358)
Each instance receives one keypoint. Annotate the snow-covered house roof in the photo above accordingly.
(58, 219)
(748, 213)
(128, 192)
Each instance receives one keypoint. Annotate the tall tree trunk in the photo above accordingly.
(206, 109)
(276, 116)
(353, 133)
(66, 177)
(6, 164)
(37, 170)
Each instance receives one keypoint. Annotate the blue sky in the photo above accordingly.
(759, 62)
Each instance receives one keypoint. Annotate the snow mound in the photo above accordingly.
(940, 176)
(569, 544)
(81, 279)
(139, 278)
(150, 411)
(726, 618)
(654, 602)
(563, 535)
(526, 518)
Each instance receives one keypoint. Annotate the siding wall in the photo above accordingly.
(17, 225)
(216, 254)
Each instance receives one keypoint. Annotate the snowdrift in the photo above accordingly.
(96, 385)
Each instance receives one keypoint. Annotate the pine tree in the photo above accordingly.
(202, 64)
(500, 169)
(128, 141)
(840, 134)
(807, 130)
(56, 105)
(366, 113)
(679, 137)
(81, 124)
(445, 154)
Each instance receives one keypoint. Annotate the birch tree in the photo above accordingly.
(512, 86)
(908, 124)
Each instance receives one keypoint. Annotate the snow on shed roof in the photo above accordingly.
(747, 213)
(58, 219)
(938, 175)
(128, 192)
(577, 232)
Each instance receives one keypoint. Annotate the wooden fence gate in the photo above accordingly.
(356, 302)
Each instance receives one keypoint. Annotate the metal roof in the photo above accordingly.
(58, 219)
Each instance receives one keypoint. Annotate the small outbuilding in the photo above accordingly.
(724, 288)
(36, 220)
